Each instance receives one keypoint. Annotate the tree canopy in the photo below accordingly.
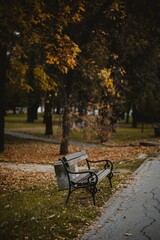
(102, 53)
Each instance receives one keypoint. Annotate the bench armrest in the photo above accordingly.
(107, 163)
(91, 172)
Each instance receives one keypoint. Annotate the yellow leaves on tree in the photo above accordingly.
(77, 17)
(45, 82)
(70, 14)
(117, 10)
(107, 81)
(17, 75)
(62, 53)
(40, 17)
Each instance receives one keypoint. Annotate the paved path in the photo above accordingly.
(134, 212)
(49, 140)
(31, 137)
(29, 167)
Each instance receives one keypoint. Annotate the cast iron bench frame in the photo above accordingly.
(89, 178)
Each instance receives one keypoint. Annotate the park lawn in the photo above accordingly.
(124, 134)
(38, 212)
(31, 207)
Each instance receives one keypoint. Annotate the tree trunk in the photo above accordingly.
(65, 131)
(66, 119)
(134, 116)
(127, 115)
(48, 115)
(33, 96)
(32, 111)
(3, 69)
(30, 114)
(58, 109)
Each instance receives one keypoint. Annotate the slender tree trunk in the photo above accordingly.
(48, 115)
(127, 116)
(3, 69)
(30, 114)
(33, 96)
(58, 109)
(65, 132)
(66, 119)
(134, 116)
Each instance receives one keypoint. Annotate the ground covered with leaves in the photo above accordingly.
(30, 205)
(27, 151)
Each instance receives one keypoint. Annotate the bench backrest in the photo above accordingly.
(74, 158)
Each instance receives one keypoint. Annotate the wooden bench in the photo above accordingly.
(87, 179)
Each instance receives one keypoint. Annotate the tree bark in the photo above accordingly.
(65, 131)
(32, 109)
(66, 111)
(3, 70)
(33, 96)
(127, 115)
(30, 114)
(134, 116)
(48, 115)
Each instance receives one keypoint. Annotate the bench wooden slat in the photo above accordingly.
(102, 174)
(74, 158)
(81, 179)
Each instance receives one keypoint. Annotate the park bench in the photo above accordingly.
(87, 179)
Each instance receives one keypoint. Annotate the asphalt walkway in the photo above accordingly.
(134, 212)
(49, 140)
(48, 168)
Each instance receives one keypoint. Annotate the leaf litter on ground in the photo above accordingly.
(29, 152)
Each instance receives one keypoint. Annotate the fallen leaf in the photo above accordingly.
(128, 234)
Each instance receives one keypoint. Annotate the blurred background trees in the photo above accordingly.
(81, 56)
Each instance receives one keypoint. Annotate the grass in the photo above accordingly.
(40, 213)
(124, 133)
(129, 134)
(20, 121)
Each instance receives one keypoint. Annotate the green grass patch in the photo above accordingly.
(124, 134)
(39, 213)
(20, 121)
(128, 134)
(130, 165)
(82, 135)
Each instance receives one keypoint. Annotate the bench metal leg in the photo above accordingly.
(69, 193)
(110, 175)
(94, 200)
(93, 191)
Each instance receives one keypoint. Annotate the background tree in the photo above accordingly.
(83, 39)
(37, 16)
